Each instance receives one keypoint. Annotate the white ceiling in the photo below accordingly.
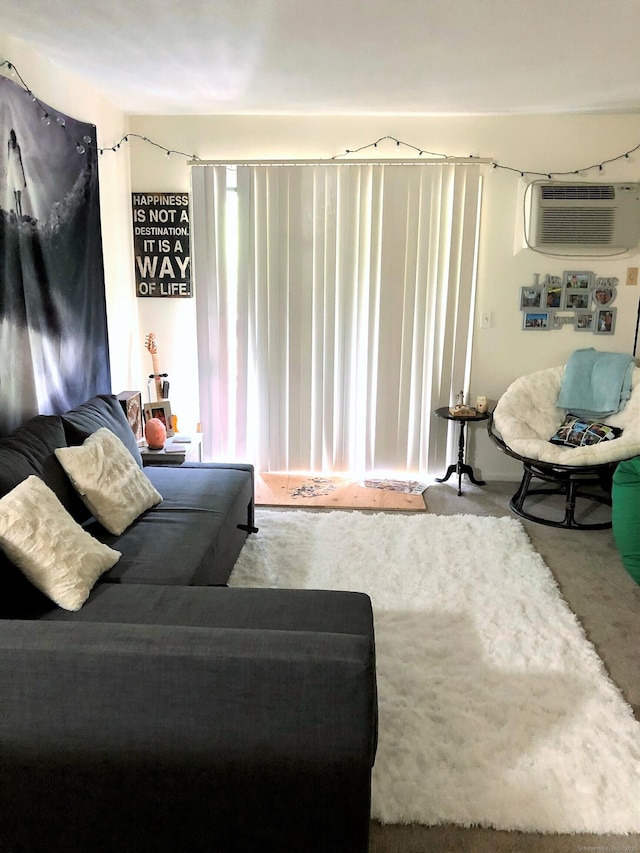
(349, 57)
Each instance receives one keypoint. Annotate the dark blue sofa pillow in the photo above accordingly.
(30, 450)
(101, 411)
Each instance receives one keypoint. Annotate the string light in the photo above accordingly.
(168, 151)
(86, 141)
(398, 142)
(524, 173)
(81, 145)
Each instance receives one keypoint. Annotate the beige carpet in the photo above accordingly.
(310, 490)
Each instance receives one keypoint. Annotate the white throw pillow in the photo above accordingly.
(59, 558)
(109, 480)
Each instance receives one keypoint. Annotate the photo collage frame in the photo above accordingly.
(576, 298)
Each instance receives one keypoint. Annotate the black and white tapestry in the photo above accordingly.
(54, 350)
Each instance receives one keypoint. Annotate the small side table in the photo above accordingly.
(460, 467)
(173, 454)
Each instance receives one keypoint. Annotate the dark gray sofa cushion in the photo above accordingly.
(19, 599)
(304, 610)
(104, 410)
(192, 536)
(164, 739)
(325, 611)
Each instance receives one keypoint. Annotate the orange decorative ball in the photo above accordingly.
(155, 433)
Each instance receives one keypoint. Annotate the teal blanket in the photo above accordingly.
(595, 383)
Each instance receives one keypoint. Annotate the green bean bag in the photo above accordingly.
(625, 514)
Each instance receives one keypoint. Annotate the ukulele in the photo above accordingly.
(151, 345)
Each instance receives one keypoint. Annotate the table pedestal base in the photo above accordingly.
(461, 466)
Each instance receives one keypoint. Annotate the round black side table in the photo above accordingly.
(460, 467)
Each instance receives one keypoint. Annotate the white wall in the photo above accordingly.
(68, 94)
(540, 143)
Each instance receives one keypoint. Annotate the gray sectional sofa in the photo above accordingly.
(171, 713)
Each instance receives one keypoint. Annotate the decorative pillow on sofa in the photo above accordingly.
(30, 450)
(578, 432)
(59, 558)
(104, 410)
(109, 480)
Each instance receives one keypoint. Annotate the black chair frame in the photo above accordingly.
(572, 481)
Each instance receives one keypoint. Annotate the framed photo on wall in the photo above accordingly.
(554, 291)
(605, 321)
(604, 291)
(531, 297)
(577, 279)
(575, 300)
(538, 321)
(583, 321)
(161, 409)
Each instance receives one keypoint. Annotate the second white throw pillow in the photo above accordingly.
(109, 480)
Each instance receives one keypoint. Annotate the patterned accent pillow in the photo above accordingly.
(578, 432)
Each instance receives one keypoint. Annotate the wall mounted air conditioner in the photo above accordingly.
(584, 218)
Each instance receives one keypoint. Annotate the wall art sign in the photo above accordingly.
(161, 244)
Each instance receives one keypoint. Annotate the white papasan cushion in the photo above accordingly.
(60, 558)
(109, 480)
(526, 416)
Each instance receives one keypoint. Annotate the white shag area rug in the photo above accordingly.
(495, 710)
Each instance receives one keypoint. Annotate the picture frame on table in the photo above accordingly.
(531, 297)
(584, 321)
(131, 402)
(161, 409)
(605, 321)
(537, 321)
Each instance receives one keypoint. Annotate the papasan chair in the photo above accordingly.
(531, 424)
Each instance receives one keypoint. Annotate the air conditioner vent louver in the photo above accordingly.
(577, 191)
(577, 225)
(574, 218)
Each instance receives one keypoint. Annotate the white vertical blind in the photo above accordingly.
(345, 319)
